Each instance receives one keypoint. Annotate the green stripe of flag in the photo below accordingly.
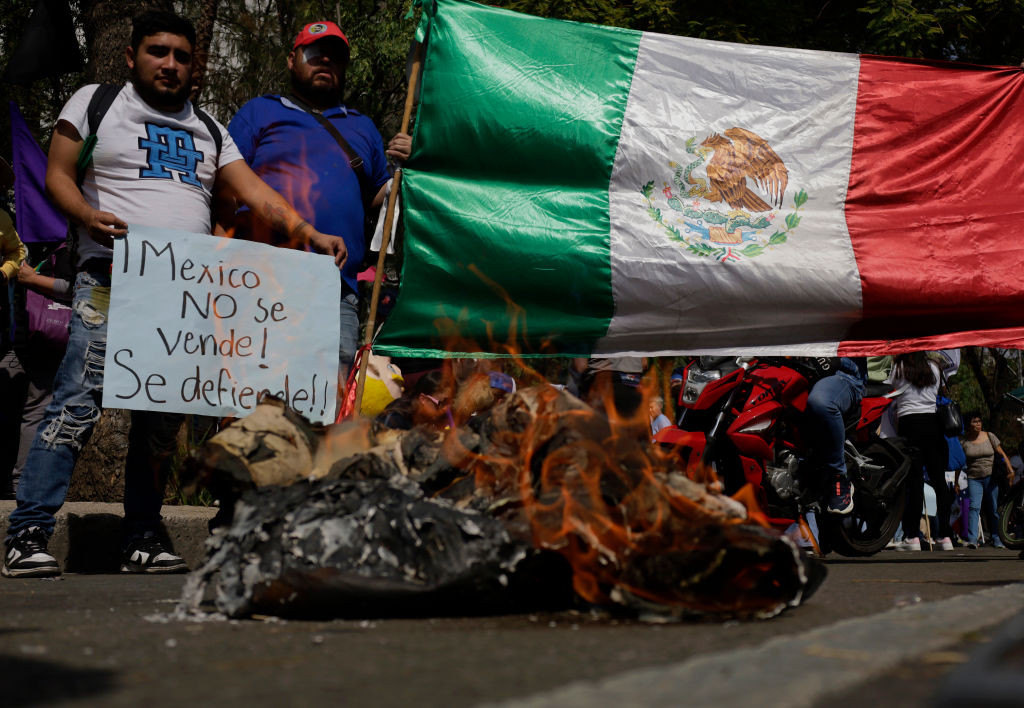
(506, 196)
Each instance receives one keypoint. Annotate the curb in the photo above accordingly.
(794, 671)
(87, 537)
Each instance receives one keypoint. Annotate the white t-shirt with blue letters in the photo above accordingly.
(149, 167)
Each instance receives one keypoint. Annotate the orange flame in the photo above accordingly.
(631, 519)
(610, 504)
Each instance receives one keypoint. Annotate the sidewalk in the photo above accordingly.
(87, 538)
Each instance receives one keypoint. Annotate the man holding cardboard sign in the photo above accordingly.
(155, 161)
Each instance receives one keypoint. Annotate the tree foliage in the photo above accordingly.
(39, 102)
(984, 377)
(253, 37)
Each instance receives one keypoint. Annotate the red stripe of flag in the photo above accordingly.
(935, 206)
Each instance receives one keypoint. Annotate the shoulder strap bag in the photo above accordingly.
(354, 161)
(950, 419)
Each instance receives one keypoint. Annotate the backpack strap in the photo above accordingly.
(99, 104)
(211, 125)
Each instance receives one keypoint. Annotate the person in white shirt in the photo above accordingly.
(918, 423)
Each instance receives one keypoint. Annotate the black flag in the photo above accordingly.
(48, 46)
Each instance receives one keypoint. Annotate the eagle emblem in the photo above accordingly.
(724, 199)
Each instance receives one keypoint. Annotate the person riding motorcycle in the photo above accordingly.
(831, 398)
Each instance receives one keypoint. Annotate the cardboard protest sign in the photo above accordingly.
(200, 324)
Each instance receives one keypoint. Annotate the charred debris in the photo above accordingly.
(537, 503)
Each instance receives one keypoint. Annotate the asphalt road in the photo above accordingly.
(110, 640)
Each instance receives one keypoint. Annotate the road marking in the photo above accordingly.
(795, 670)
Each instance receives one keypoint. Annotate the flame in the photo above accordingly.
(584, 481)
(627, 521)
(747, 496)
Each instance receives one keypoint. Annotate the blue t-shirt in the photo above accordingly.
(660, 422)
(299, 158)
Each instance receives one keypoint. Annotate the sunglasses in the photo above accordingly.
(337, 54)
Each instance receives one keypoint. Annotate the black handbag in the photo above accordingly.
(950, 418)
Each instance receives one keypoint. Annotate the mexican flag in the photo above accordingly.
(588, 190)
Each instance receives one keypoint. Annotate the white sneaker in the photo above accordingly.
(27, 556)
(945, 544)
(148, 555)
(910, 544)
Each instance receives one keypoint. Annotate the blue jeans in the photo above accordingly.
(829, 400)
(69, 420)
(26, 387)
(349, 341)
(979, 490)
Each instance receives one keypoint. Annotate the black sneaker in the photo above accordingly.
(841, 500)
(148, 555)
(27, 557)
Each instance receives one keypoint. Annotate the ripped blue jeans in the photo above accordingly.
(69, 420)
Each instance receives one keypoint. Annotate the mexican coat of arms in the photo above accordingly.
(710, 205)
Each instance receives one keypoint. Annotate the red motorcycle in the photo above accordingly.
(743, 421)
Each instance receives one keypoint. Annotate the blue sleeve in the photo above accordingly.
(378, 172)
(243, 133)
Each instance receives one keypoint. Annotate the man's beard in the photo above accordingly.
(161, 100)
(320, 96)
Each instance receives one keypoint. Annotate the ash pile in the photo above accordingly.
(537, 503)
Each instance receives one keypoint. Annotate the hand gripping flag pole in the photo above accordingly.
(389, 217)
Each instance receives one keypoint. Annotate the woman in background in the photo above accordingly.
(981, 448)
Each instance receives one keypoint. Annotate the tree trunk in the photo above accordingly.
(108, 25)
(201, 56)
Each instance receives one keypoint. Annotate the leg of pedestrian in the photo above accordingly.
(67, 426)
(152, 443)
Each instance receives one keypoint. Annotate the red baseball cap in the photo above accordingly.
(318, 30)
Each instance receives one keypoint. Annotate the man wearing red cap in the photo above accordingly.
(325, 158)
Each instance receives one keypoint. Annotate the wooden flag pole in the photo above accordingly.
(389, 218)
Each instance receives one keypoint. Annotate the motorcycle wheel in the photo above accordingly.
(866, 529)
(1011, 518)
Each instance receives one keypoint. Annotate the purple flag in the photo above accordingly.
(35, 217)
